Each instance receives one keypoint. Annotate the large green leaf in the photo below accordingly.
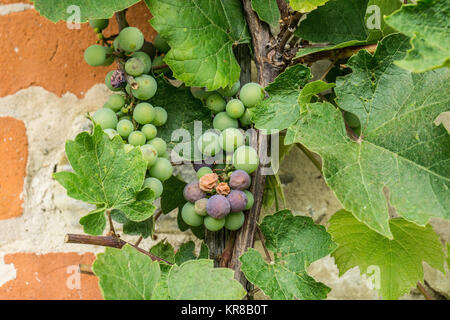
(126, 274)
(172, 196)
(296, 242)
(199, 280)
(402, 158)
(142, 228)
(396, 265)
(306, 5)
(427, 23)
(107, 176)
(281, 109)
(88, 9)
(267, 11)
(201, 34)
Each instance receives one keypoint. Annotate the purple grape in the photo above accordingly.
(192, 192)
(118, 79)
(238, 200)
(239, 180)
(218, 206)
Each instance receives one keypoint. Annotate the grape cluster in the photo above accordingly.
(128, 113)
(219, 196)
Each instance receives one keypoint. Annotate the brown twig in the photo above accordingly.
(263, 242)
(160, 67)
(107, 241)
(227, 253)
(423, 291)
(85, 269)
(138, 242)
(121, 19)
(111, 224)
(336, 54)
(289, 31)
(328, 69)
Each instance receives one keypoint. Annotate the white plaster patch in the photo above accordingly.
(7, 271)
(14, 7)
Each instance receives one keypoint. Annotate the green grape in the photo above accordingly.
(209, 143)
(160, 116)
(116, 44)
(189, 216)
(202, 171)
(234, 220)
(124, 128)
(108, 82)
(352, 120)
(223, 121)
(251, 94)
(128, 147)
(165, 155)
(250, 200)
(95, 55)
(115, 102)
(99, 24)
(144, 113)
(230, 139)
(134, 67)
(155, 185)
(245, 158)
(216, 103)
(161, 44)
(109, 58)
(158, 61)
(235, 108)
(106, 118)
(147, 87)
(230, 91)
(159, 144)
(213, 224)
(246, 118)
(150, 154)
(136, 138)
(131, 39)
(128, 88)
(125, 117)
(144, 58)
(111, 133)
(200, 93)
(149, 131)
(161, 170)
(200, 207)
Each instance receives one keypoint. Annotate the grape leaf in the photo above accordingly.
(306, 5)
(186, 252)
(296, 242)
(383, 8)
(201, 35)
(267, 11)
(199, 280)
(427, 23)
(401, 151)
(94, 222)
(281, 109)
(172, 196)
(107, 176)
(126, 274)
(310, 90)
(164, 250)
(143, 228)
(66, 9)
(397, 263)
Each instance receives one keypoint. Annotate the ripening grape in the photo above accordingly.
(189, 216)
(159, 144)
(128, 147)
(202, 171)
(200, 207)
(230, 139)
(124, 128)
(246, 118)
(99, 24)
(111, 133)
(150, 154)
(149, 130)
(213, 224)
(192, 192)
(136, 138)
(155, 185)
(145, 59)
(106, 118)
(215, 102)
(160, 117)
(218, 206)
(239, 180)
(147, 87)
(251, 94)
(250, 199)
(246, 158)
(95, 55)
(230, 91)
(209, 143)
(223, 121)
(134, 67)
(235, 108)
(161, 44)
(234, 220)
(144, 113)
(108, 82)
(131, 39)
(352, 120)
(115, 102)
(238, 200)
(162, 169)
